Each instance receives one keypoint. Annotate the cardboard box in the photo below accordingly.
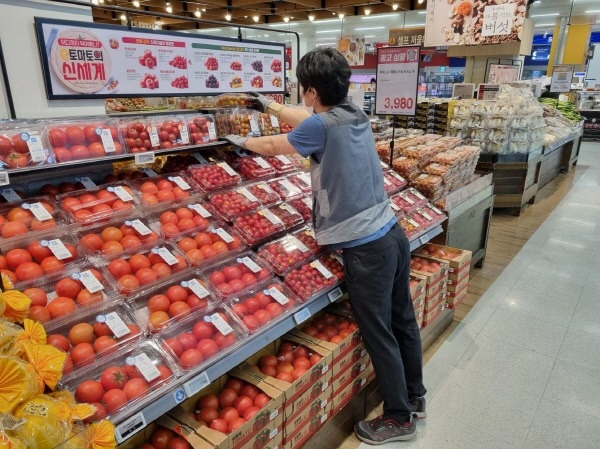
(347, 360)
(435, 300)
(418, 288)
(432, 314)
(351, 373)
(298, 420)
(316, 390)
(456, 257)
(419, 315)
(455, 274)
(453, 301)
(419, 300)
(435, 290)
(184, 431)
(309, 428)
(458, 285)
(343, 396)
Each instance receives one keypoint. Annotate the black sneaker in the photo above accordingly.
(417, 406)
(383, 430)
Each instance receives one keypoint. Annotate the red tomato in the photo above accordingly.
(220, 425)
(187, 340)
(161, 438)
(158, 303)
(179, 443)
(59, 341)
(175, 346)
(261, 400)
(37, 295)
(250, 412)
(242, 403)
(250, 390)
(89, 391)
(207, 414)
(135, 388)
(165, 374)
(176, 293)
(203, 330)
(268, 359)
(113, 377)
(68, 287)
(38, 252)
(114, 399)
(227, 397)
(190, 358)
(83, 354)
(75, 135)
(209, 400)
(235, 384)
(207, 347)
(104, 344)
(119, 268)
(235, 424)
(229, 414)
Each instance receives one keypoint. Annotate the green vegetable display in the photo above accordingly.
(566, 108)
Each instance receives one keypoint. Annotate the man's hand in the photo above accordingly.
(259, 102)
(236, 140)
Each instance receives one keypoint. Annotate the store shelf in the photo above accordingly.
(189, 384)
(151, 112)
(425, 237)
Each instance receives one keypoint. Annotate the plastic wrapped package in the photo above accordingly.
(24, 145)
(35, 215)
(427, 217)
(281, 163)
(207, 247)
(241, 122)
(408, 168)
(171, 301)
(100, 203)
(477, 121)
(304, 206)
(285, 188)
(459, 122)
(285, 128)
(501, 108)
(302, 181)
(408, 200)
(410, 227)
(478, 133)
(254, 167)
(445, 171)
(315, 277)
(77, 139)
(378, 125)
(202, 128)
(154, 133)
(222, 122)
(214, 176)
(234, 100)
(290, 250)
(520, 122)
(257, 227)
(265, 194)
(383, 148)
(231, 203)
(463, 108)
(393, 182)
(165, 189)
(498, 121)
(518, 146)
(289, 216)
(268, 124)
(497, 134)
(262, 306)
(236, 275)
(190, 215)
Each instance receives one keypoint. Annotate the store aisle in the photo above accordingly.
(522, 370)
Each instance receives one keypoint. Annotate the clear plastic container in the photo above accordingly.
(285, 188)
(35, 215)
(24, 145)
(281, 163)
(234, 100)
(154, 133)
(137, 372)
(231, 203)
(84, 139)
(132, 272)
(262, 306)
(164, 189)
(93, 332)
(410, 227)
(302, 181)
(203, 337)
(304, 206)
(190, 215)
(207, 247)
(171, 301)
(117, 236)
(428, 216)
(393, 182)
(287, 214)
(237, 275)
(100, 203)
(409, 200)
(254, 167)
(316, 277)
(257, 227)
(428, 183)
(407, 167)
(268, 124)
(202, 128)
(214, 176)
(290, 250)
(265, 194)
(240, 122)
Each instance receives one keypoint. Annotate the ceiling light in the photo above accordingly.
(286, 19)
(100, 1)
(422, 12)
(169, 8)
(228, 17)
(256, 17)
(197, 13)
(327, 31)
(95, 2)
(367, 12)
(544, 25)
(311, 17)
(546, 15)
(369, 28)
(592, 11)
(341, 15)
(203, 9)
(123, 17)
(420, 2)
(395, 6)
(136, 3)
(327, 21)
(379, 16)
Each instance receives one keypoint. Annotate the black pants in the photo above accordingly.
(377, 278)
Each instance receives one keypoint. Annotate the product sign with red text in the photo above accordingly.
(397, 79)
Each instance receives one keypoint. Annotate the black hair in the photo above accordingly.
(327, 71)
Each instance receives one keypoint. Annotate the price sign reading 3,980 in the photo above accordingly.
(397, 78)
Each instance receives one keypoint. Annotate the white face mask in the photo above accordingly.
(305, 104)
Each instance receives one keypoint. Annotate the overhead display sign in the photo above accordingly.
(406, 36)
(466, 22)
(87, 60)
(397, 80)
(562, 77)
(503, 74)
(353, 49)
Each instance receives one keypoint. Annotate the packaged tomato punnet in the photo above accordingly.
(254, 167)
(23, 145)
(257, 227)
(233, 202)
(304, 206)
(302, 181)
(172, 188)
(202, 129)
(281, 163)
(315, 277)
(193, 214)
(393, 182)
(207, 247)
(34, 215)
(214, 176)
(285, 188)
(154, 133)
(409, 200)
(266, 195)
(290, 250)
(289, 216)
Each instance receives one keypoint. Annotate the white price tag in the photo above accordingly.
(153, 133)
(227, 238)
(418, 194)
(180, 182)
(221, 325)
(424, 239)
(146, 367)
(283, 159)
(196, 287)
(408, 199)
(253, 266)
(58, 248)
(139, 226)
(261, 162)
(89, 281)
(274, 122)
(115, 324)
(435, 209)
(193, 386)
(107, 140)
(291, 188)
(277, 296)
(151, 173)
(200, 158)
(413, 222)
(212, 132)
(146, 157)
(310, 232)
(249, 196)
(289, 209)
(4, 179)
(225, 166)
(397, 176)
(298, 244)
(253, 125)
(166, 255)
(308, 202)
(425, 214)
(335, 294)
(305, 177)
(273, 433)
(200, 210)
(35, 146)
(38, 210)
(185, 135)
(270, 216)
(301, 316)
(394, 206)
(321, 268)
(87, 182)
(386, 181)
(120, 191)
(130, 427)
(10, 195)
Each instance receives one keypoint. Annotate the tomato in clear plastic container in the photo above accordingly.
(34, 215)
(281, 163)
(302, 181)
(289, 216)
(266, 195)
(304, 206)
(285, 188)
(255, 167)
(214, 176)
(313, 278)
(290, 251)
(205, 247)
(164, 189)
(256, 227)
(236, 275)
(77, 140)
(231, 203)
(190, 215)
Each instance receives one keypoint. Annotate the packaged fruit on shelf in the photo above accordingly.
(291, 362)
(290, 250)
(28, 259)
(195, 341)
(425, 265)
(35, 215)
(393, 182)
(23, 145)
(231, 203)
(304, 206)
(284, 188)
(281, 163)
(165, 188)
(77, 140)
(62, 294)
(128, 173)
(236, 275)
(257, 227)
(100, 203)
(191, 215)
(289, 216)
(331, 327)
(410, 227)
(254, 167)
(407, 167)
(268, 124)
(118, 236)
(262, 306)
(210, 246)
(154, 133)
(266, 195)
(122, 380)
(409, 200)
(92, 333)
(214, 176)
(202, 129)
(314, 278)
(428, 216)
(302, 181)
(171, 301)
(234, 100)
(131, 272)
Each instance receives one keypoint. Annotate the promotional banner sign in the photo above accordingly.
(503, 74)
(397, 80)
(353, 49)
(87, 60)
(562, 77)
(406, 36)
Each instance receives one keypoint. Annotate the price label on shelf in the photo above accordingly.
(253, 266)
(424, 239)
(274, 123)
(270, 216)
(419, 195)
(335, 294)
(144, 158)
(200, 158)
(38, 210)
(166, 255)
(107, 140)
(321, 268)
(200, 210)
(283, 159)
(397, 79)
(394, 206)
(87, 182)
(225, 166)
(153, 133)
(139, 226)
(298, 244)
(221, 325)
(10, 195)
(58, 248)
(277, 296)
(35, 146)
(196, 287)
(261, 162)
(227, 238)
(130, 427)
(301, 316)
(146, 367)
(121, 192)
(397, 176)
(4, 179)
(212, 132)
(151, 173)
(407, 198)
(185, 135)
(89, 281)
(180, 182)
(115, 324)
(196, 384)
(249, 196)
(289, 209)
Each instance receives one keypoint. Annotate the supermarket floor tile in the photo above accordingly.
(542, 303)
(435, 373)
(587, 315)
(581, 348)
